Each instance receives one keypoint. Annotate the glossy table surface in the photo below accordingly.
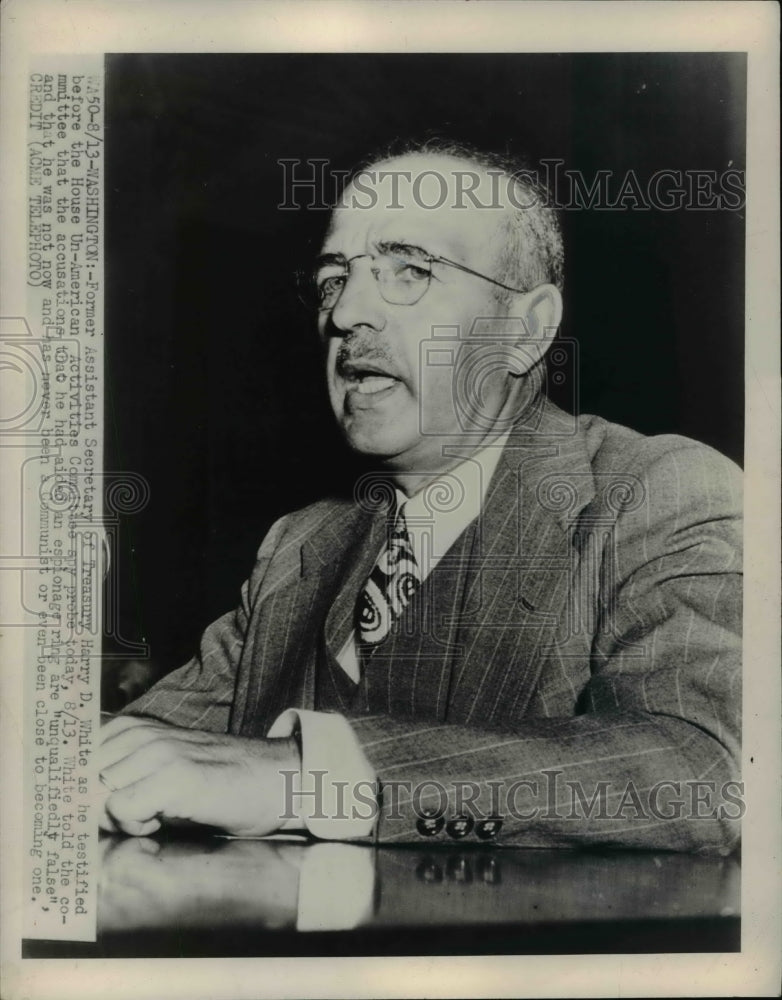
(211, 896)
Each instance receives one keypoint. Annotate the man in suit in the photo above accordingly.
(524, 627)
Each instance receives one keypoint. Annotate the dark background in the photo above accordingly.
(213, 390)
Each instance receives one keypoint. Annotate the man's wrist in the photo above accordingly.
(288, 751)
(291, 751)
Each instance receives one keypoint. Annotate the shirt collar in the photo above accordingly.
(439, 512)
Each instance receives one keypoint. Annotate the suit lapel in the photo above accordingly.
(277, 668)
(522, 567)
(367, 535)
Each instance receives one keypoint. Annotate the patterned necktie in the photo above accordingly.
(391, 584)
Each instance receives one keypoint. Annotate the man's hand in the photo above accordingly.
(156, 773)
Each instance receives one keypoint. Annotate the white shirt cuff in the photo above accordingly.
(335, 795)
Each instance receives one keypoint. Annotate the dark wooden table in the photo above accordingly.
(211, 896)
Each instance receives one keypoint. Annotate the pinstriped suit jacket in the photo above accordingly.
(596, 651)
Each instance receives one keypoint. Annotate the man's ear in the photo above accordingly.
(541, 313)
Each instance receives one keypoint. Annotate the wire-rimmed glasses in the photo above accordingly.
(403, 273)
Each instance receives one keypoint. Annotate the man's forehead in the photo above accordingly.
(426, 200)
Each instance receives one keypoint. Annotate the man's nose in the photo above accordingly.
(360, 303)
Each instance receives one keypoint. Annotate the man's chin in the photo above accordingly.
(378, 434)
(371, 446)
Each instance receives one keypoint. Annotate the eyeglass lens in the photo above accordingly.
(403, 277)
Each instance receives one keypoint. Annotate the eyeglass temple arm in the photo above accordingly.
(477, 274)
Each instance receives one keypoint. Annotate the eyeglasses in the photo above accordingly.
(403, 273)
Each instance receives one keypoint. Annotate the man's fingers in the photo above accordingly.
(119, 723)
(106, 823)
(135, 828)
(157, 773)
(131, 813)
(121, 741)
(119, 744)
(140, 763)
(169, 793)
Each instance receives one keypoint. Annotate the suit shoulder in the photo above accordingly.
(309, 519)
(319, 509)
(669, 469)
(613, 447)
(279, 550)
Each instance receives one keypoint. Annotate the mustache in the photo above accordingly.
(355, 355)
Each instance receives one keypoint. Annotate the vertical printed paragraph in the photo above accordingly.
(52, 430)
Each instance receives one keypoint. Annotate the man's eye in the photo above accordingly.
(413, 272)
(330, 286)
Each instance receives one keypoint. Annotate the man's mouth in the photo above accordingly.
(367, 379)
(374, 383)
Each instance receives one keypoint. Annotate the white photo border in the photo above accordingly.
(70, 27)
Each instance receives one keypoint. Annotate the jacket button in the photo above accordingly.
(487, 829)
(430, 824)
(459, 827)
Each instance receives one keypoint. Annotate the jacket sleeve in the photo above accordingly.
(200, 694)
(649, 756)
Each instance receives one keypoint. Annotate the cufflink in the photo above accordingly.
(487, 829)
(430, 823)
(459, 827)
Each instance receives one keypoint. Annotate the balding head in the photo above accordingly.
(439, 176)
